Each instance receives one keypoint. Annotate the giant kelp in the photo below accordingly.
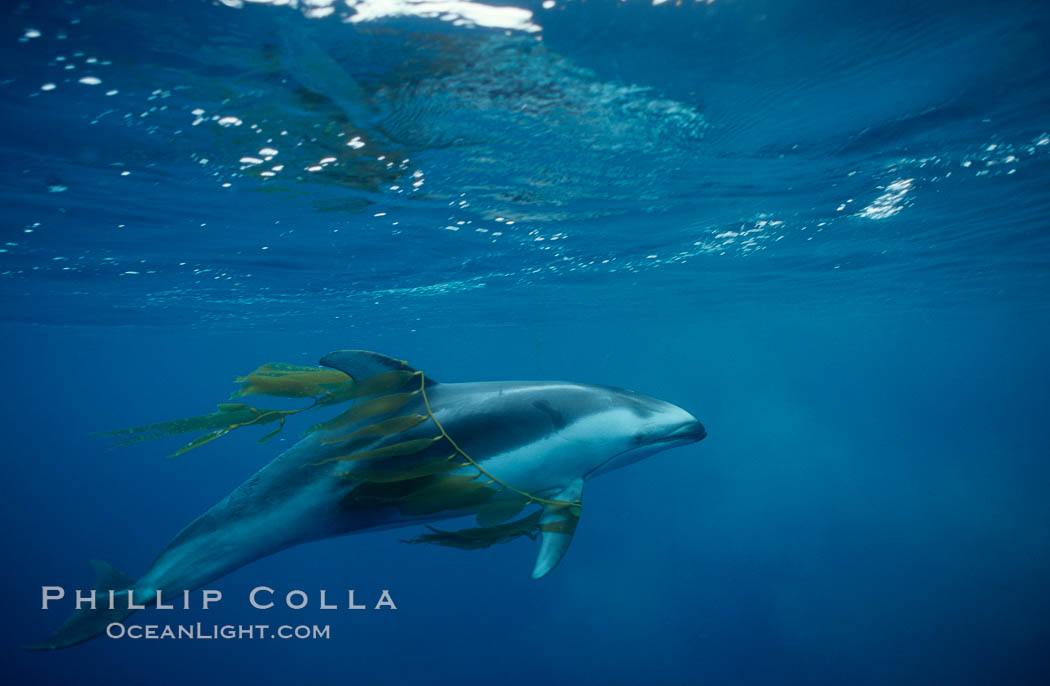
(325, 387)
(381, 445)
(483, 536)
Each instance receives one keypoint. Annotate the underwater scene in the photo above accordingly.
(525, 341)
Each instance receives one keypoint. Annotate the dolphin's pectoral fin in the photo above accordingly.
(557, 525)
(361, 364)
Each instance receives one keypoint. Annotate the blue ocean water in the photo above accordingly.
(819, 226)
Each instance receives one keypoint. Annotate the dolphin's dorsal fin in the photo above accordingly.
(557, 525)
(361, 364)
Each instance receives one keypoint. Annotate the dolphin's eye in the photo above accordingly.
(637, 439)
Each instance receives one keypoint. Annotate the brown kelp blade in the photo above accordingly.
(227, 415)
(428, 468)
(422, 495)
(383, 404)
(386, 427)
(449, 492)
(290, 381)
(483, 536)
(417, 445)
(324, 385)
(499, 511)
(380, 384)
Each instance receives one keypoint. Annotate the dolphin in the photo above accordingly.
(502, 445)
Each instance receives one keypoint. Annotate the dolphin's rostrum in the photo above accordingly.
(410, 450)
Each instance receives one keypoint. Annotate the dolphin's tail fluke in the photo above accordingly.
(85, 624)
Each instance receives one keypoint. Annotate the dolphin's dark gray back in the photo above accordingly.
(488, 418)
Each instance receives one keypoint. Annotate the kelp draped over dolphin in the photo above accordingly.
(406, 449)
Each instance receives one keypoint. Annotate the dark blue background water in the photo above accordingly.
(821, 227)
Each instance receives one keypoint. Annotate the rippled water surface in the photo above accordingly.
(321, 157)
(821, 226)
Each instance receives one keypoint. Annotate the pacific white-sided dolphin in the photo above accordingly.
(485, 448)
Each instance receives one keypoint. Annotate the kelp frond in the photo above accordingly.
(386, 427)
(412, 447)
(476, 538)
(449, 492)
(227, 417)
(290, 381)
(427, 468)
(387, 382)
(323, 385)
(422, 495)
(227, 413)
(500, 511)
(393, 464)
(383, 404)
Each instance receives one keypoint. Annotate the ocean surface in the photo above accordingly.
(821, 227)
